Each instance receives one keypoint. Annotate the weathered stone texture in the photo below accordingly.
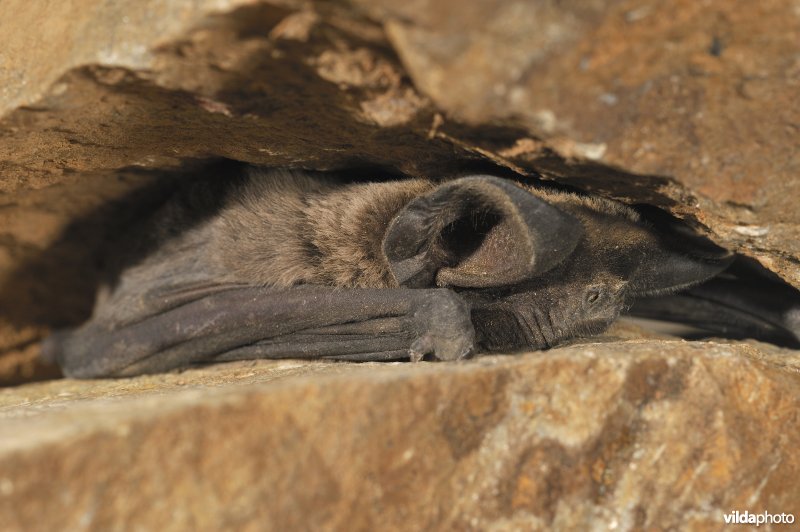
(701, 91)
(631, 435)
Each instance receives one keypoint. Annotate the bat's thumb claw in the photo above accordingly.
(454, 347)
(468, 352)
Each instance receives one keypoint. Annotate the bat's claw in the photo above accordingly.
(420, 348)
(440, 349)
(443, 319)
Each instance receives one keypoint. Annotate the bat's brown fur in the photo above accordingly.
(283, 228)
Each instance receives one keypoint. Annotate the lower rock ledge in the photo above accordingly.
(625, 435)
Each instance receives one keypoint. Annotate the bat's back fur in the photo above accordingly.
(284, 228)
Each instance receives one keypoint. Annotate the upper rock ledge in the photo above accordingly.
(42, 42)
(625, 435)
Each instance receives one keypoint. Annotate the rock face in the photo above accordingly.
(687, 106)
(699, 91)
(627, 436)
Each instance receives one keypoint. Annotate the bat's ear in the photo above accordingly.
(680, 259)
(668, 272)
(477, 231)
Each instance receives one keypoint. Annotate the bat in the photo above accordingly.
(288, 264)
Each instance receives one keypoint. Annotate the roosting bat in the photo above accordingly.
(280, 264)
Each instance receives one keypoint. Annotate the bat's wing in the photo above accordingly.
(740, 303)
(254, 322)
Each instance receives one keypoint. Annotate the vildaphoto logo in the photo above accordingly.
(746, 518)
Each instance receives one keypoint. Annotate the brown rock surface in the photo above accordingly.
(677, 435)
(42, 40)
(701, 91)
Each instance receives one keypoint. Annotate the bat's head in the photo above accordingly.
(539, 267)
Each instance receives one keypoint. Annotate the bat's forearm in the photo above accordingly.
(263, 322)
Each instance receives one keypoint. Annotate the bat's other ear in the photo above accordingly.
(680, 259)
(477, 231)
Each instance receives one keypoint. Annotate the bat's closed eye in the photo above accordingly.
(593, 295)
